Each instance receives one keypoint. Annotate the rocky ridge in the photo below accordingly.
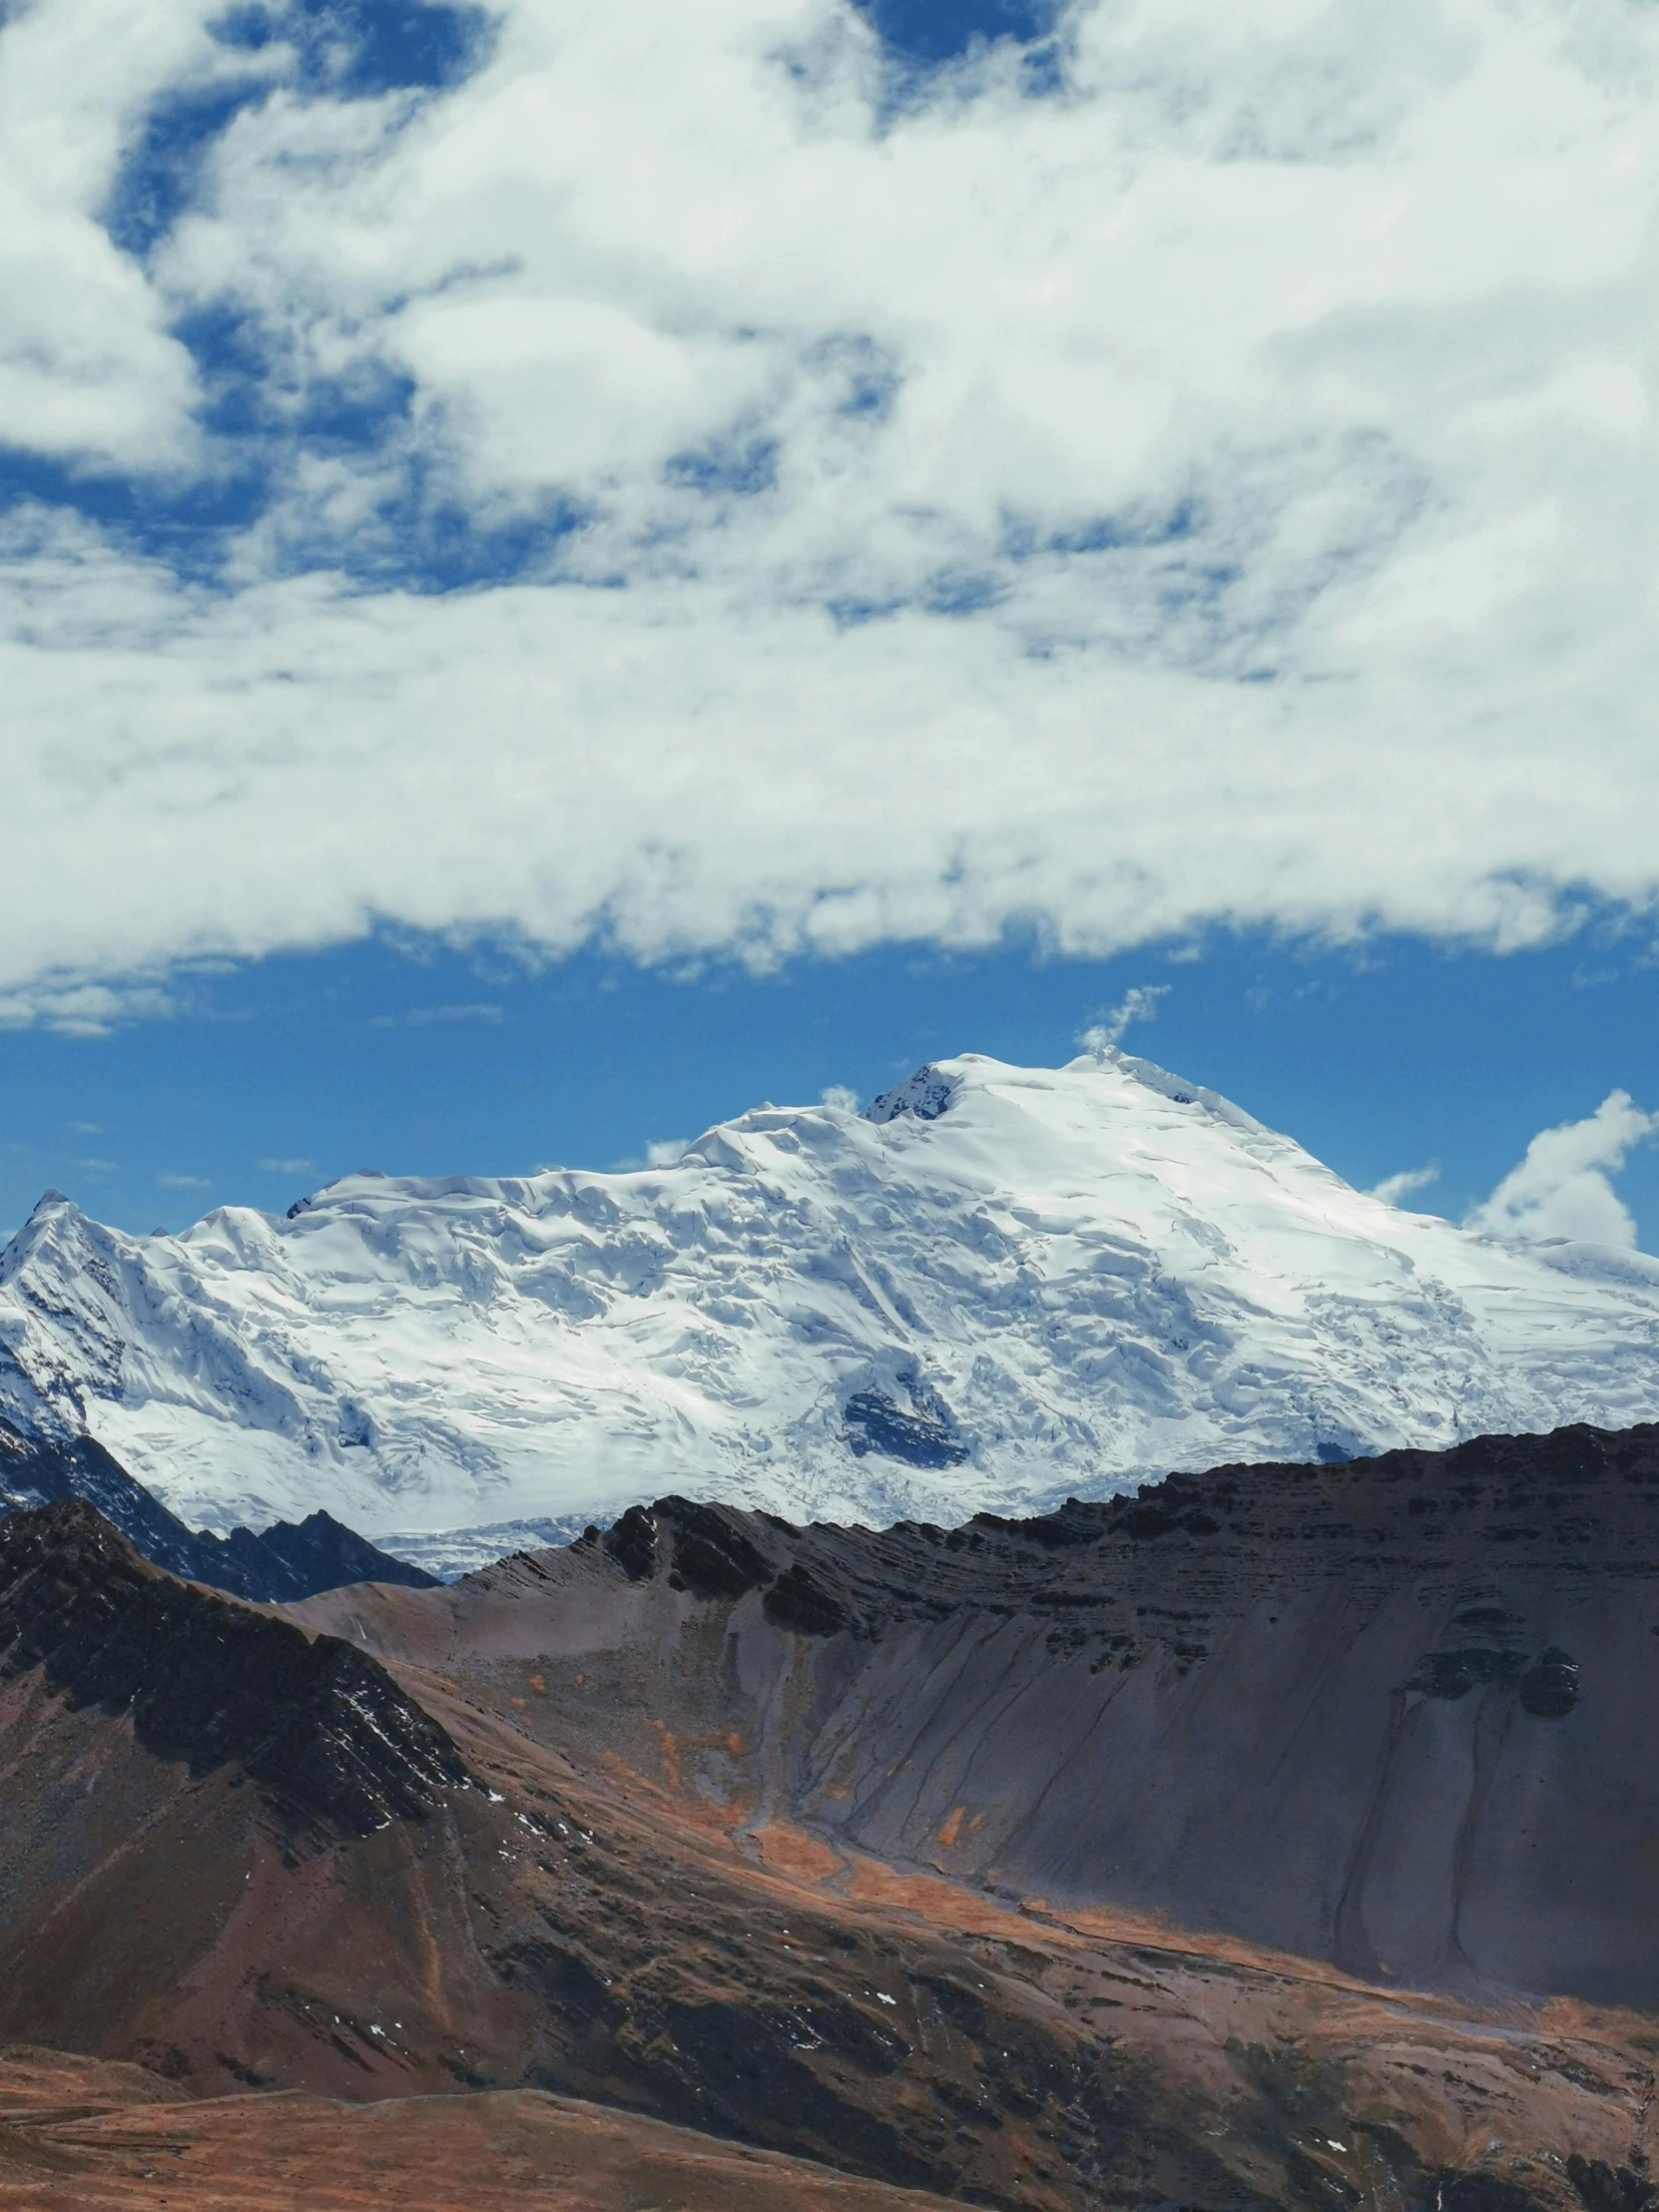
(282, 1561)
(1393, 1713)
(948, 1857)
(317, 1726)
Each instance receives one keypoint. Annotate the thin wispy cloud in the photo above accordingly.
(287, 1166)
(173, 1182)
(425, 1017)
(1395, 1188)
(83, 1008)
(1138, 1003)
(662, 1152)
(768, 517)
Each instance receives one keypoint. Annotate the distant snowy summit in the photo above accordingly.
(997, 1287)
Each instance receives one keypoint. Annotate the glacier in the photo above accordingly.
(997, 1287)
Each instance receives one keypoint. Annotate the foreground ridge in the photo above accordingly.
(1182, 1849)
(1395, 1712)
(320, 1727)
(81, 2136)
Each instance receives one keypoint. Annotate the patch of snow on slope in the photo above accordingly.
(1003, 1286)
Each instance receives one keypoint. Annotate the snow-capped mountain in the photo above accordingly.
(995, 1287)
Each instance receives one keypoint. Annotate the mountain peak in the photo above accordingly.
(998, 1287)
(927, 1095)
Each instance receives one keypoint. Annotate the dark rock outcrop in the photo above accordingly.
(46, 1470)
(297, 1559)
(321, 1728)
(876, 1422)
(283, 1562)
(927, 1095)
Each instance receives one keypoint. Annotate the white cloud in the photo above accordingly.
(287, 1166)
(89, 371)
(664, 1151)
(844, 1099)
(1138, 1003)
(182, 1182)
(1247, 460)
(1394, 1188)
(1562, 1187)
(83, 1007)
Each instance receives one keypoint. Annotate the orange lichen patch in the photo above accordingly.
(517, 1704)
(734, 1744)
(952, 1825)
(703, 1820)
(668, 1745)
(947, 1905)
(581, 1681)
(978, 1820)
(714, 1817)
(930, 1896)
(790, 1851)
(538, 1683)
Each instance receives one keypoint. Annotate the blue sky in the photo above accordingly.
(421, 1060)
(566, 570)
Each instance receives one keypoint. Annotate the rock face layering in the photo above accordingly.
(1399, 1714)
(998, 1287)
(1276, 1838)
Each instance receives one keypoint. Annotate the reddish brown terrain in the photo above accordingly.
(1284, 1837)
(80, 2135)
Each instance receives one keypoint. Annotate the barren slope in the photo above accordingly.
(699, 1820)
(82, 2136)
(1400, 1713)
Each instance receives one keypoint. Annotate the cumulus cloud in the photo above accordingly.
(773, 515)
(840, 1097)
(1562, 1187)
(90, 371)
(1394, 1188)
